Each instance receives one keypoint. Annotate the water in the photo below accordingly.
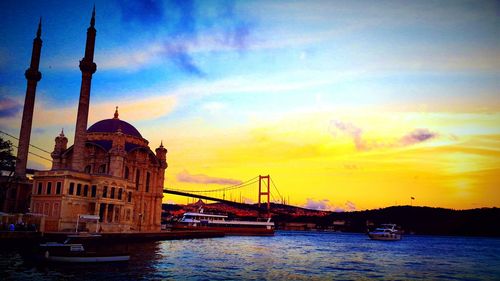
(286, 256)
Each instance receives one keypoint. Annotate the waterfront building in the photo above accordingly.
(110, 171)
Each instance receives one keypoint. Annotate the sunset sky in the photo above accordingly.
(347, 105)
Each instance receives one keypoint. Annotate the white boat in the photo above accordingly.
(203, 221)
(386, 232)
(82, 248)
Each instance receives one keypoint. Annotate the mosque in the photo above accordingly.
(109, 172)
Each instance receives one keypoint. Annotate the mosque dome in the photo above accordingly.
(113, 125)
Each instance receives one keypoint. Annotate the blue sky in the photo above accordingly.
(182, 71)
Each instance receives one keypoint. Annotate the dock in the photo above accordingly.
(20, 238)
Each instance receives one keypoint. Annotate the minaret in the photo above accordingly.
(161, 153)
(88, 67)
(60, 146)
(33, 76)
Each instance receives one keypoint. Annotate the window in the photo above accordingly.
(112, 195)
(129, 196)
(40, 185)
(117, 214)
(58, 187)
(85, 190)
(102, 169)
(55, 210)
(94, 191)
(49, 188)
(87, 169)
(46, 209)
(126, 173)
(137, 179)
(120, 191)
(71, 188)
(105, 192)
(79, 189)
(148, 177)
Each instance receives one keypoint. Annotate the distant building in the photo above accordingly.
(110, 171)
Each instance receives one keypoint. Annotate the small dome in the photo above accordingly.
(112, 126)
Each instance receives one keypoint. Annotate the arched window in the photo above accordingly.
(126, 173)
(129, 199)
(102, 169)
(148, 178)
(40, 188)
(120, 191)
(112, 196)
(49, 188)
(87, 169)
(137, 179)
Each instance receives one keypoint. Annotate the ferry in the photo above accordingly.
(200, 220)
(82, 248)
(386, 232)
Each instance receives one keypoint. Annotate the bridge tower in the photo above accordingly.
(265, 179)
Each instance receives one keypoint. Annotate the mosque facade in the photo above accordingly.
(110, 172)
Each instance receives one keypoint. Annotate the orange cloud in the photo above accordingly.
(185, 176)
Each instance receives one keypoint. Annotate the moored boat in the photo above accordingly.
(386, 232)
(83, 248)
(204, 221)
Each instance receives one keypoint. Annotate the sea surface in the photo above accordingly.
(286, 256)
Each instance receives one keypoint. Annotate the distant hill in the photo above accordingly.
(413, 220)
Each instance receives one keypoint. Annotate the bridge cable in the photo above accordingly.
(236, 186)
(29, 144)
(277, 190)
(35, 154)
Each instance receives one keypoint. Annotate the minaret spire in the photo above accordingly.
(33, 76)
(87, 67)
(39, 31)
(92, 20)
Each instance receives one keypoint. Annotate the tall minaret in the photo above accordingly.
(88, 67)
(33, 76)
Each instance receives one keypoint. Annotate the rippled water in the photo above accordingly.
(288, 255)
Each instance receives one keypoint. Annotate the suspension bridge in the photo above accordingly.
(264, 184)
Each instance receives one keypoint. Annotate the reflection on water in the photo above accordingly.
(288, 255)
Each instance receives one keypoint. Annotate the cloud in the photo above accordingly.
(326, 205)
(180, 55)
(142, 108)
(181, 29)
(9, 107)
(185, 176)
(416, 136)
(323, 205)
(347, 128)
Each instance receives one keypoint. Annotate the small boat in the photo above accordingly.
(82, 248)
(203, 221)
(386, 232)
